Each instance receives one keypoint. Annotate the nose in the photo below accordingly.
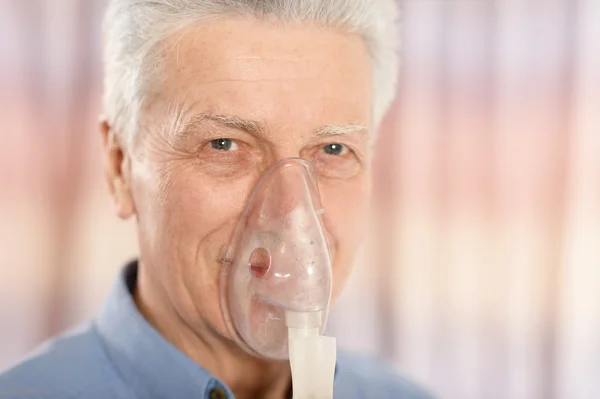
(288, 185)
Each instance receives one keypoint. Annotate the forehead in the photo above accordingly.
(215, 44)
(260, 69)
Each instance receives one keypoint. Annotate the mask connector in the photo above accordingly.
(312, 356)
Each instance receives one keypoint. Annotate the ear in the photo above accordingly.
(117, 171)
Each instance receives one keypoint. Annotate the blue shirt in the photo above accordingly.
(119, 355)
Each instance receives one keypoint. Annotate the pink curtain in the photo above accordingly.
(482, 275)
(487, 279)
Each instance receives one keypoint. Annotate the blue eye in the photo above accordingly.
(223, 144)
(334, 149)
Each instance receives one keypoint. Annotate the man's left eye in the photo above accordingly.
(335, 149)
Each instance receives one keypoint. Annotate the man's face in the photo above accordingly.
(238, 96)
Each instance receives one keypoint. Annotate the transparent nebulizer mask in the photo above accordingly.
(276, 278)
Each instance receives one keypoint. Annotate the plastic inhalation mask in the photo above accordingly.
(276, 278)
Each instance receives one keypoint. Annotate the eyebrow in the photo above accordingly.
(187, 125)
(337, 130)
(235, 122)
(259, 129)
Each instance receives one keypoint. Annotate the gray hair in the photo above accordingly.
(134, 28)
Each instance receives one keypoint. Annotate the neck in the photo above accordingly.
(245, 375)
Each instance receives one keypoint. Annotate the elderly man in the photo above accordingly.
(238, 133)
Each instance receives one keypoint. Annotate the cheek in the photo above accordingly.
(185, 219)
(346, 204)
(203, 213)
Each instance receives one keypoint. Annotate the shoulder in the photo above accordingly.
(68, 367)
(365, 376)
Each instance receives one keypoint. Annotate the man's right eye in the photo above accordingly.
(223, 145)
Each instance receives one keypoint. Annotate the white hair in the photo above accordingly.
(134, 28)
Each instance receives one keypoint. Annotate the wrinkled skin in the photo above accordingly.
(236, 96)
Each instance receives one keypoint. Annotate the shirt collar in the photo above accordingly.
(150, 365)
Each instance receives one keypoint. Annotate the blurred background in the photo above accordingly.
(483, 279)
